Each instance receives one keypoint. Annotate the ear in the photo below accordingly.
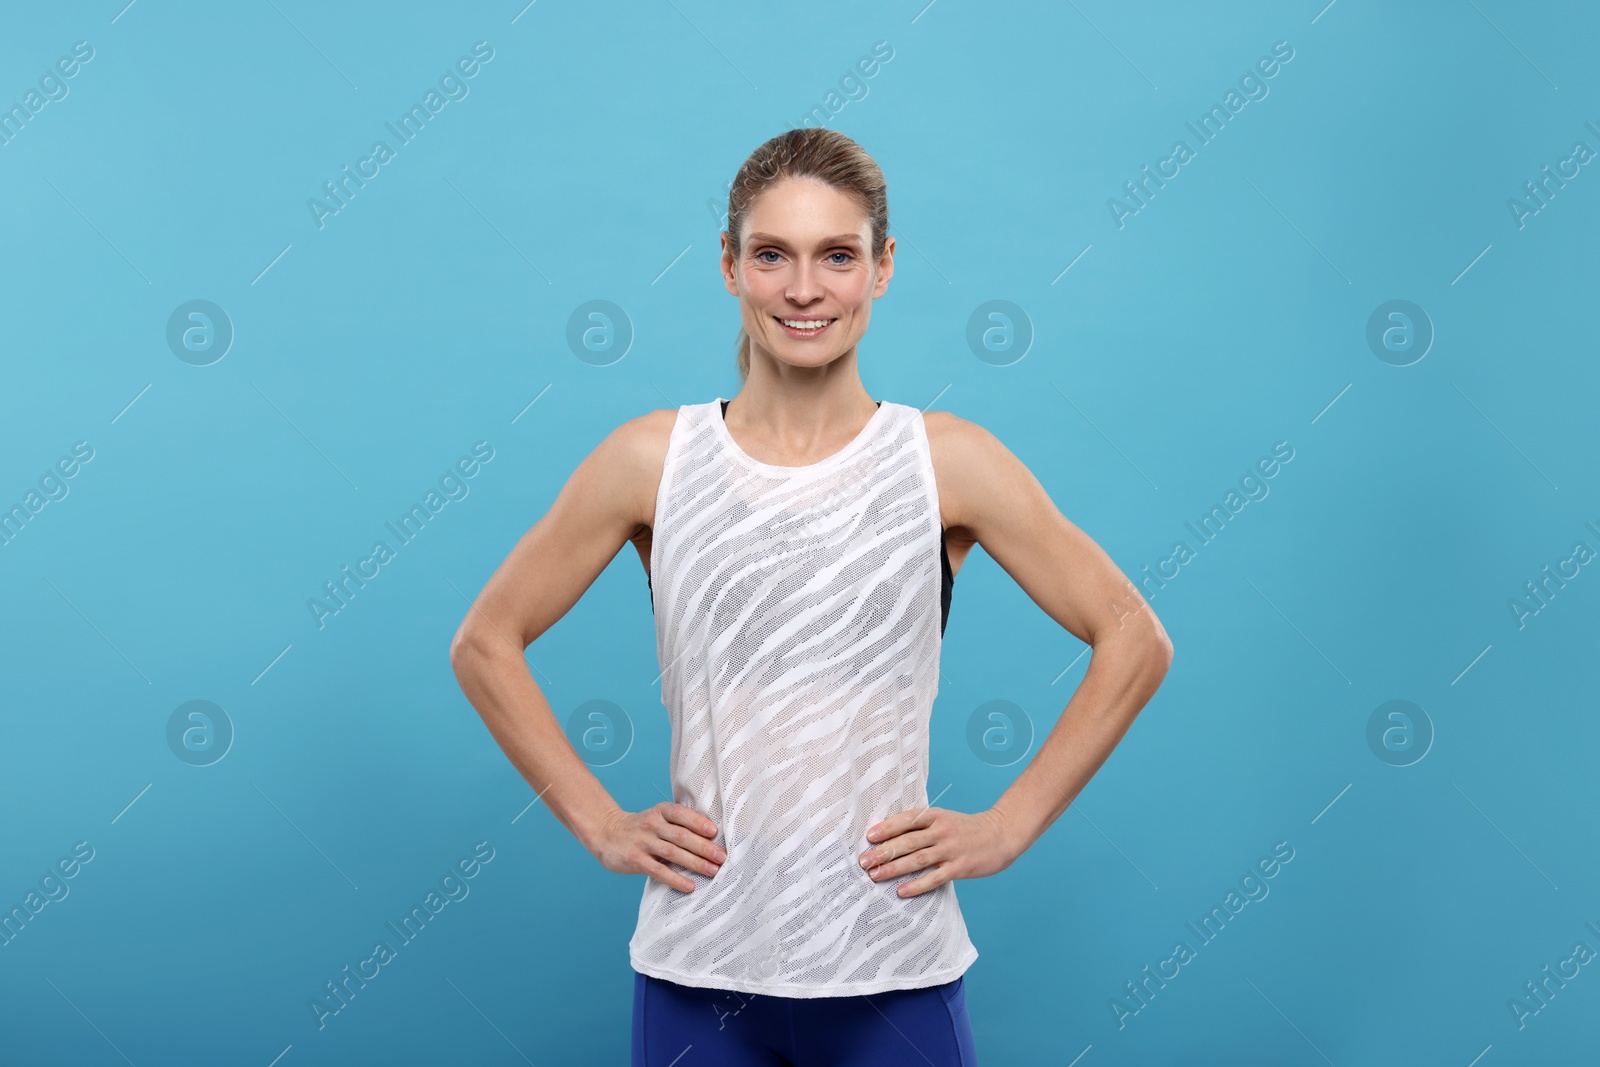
(730, 277)
(884, 268)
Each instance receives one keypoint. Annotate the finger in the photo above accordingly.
(886, 829)
(685, 857)
(909, 863)
(932, 880)
(900, 822)
(691, 839)
(685, 816)
(695, 845)
(668, 877)
(895, 848)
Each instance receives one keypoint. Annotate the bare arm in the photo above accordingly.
(1000, 504)
(606, 502)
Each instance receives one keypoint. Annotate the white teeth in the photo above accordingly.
(805, 324)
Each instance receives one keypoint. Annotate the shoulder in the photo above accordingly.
(971, 465)
(952, 431)
(961, 446)
(646, 434)
(631, 458)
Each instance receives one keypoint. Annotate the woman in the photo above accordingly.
(800, 542)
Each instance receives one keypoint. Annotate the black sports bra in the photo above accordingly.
(947, 576)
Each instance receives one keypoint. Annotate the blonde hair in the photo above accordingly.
(813, 152)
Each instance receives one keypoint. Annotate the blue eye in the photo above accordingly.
(847, 255)
(765, 252)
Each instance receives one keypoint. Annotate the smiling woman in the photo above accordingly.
(799, 539)
(808, 668)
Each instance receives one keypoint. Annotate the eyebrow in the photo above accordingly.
(836, 239)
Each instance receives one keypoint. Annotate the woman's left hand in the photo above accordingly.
(944, 844)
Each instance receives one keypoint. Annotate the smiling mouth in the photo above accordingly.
(806, 327)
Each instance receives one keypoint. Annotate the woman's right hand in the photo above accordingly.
(644, 842)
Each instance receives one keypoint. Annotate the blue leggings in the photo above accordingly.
(687, 1026)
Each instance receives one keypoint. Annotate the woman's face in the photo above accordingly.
(805, 258)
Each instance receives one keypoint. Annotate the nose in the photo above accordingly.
(805, 286)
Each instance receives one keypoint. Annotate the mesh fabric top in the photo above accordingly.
(798, 625)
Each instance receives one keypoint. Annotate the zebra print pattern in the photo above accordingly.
(798, 625)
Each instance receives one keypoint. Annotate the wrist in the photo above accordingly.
(590, 828)
(1013, 835)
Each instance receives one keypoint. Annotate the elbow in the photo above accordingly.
(1160, 653)
(477, 637)
(458, 652)
(463, 647)
(1159, 644)
(1142, 632)
(1146, 642)
(1160, 641)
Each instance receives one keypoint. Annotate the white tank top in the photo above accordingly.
(798, 625)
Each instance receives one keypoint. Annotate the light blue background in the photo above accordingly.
(1230, 313)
